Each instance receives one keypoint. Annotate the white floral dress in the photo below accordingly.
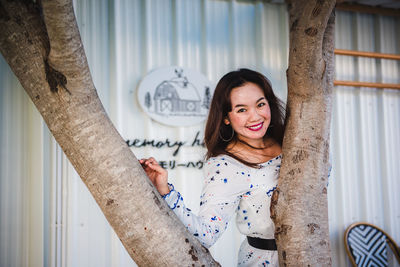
(232, 187)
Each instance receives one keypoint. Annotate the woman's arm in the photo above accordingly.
(218, 203)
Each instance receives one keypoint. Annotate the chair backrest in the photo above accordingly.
(366, 245)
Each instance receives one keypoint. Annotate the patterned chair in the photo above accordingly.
(366, 245)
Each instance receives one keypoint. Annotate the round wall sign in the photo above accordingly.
(175, 96)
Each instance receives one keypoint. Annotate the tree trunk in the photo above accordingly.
(42, 45)
(299, 205)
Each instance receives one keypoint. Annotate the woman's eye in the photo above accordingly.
(261, 104)
(241, 110)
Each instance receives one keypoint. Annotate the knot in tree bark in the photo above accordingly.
(55, 78)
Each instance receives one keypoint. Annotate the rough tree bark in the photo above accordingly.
(42, 45)
(299, 205)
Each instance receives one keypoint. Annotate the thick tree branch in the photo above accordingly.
(60, 85)
(299, 205)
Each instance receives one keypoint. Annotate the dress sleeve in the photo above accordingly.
(218, 202)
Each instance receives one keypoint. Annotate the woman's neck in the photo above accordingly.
(255, 154)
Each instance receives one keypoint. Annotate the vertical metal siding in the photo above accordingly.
(123, 41)
(365, 125)
(388, 42)
(14, 179)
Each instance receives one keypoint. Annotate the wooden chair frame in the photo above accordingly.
(394, 247)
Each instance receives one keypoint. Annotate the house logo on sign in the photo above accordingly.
(175, 96)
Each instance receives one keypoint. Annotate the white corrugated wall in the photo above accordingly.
(365, 130)
(48, 217)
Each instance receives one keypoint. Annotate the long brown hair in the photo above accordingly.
(216, 131)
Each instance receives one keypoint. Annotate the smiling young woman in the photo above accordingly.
(243, 135)
(220, 135)
(250, 118)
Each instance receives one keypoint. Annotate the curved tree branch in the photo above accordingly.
(299, 206)
(59, 83)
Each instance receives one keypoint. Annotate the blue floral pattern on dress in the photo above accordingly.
(230, 188)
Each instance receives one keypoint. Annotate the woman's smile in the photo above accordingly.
(256, 127)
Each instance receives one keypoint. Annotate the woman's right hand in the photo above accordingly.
(157, 175)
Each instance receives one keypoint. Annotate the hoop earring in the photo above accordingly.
(227, 140)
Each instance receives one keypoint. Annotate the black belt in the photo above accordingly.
(260, 243)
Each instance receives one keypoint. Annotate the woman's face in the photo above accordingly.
(250, 115)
